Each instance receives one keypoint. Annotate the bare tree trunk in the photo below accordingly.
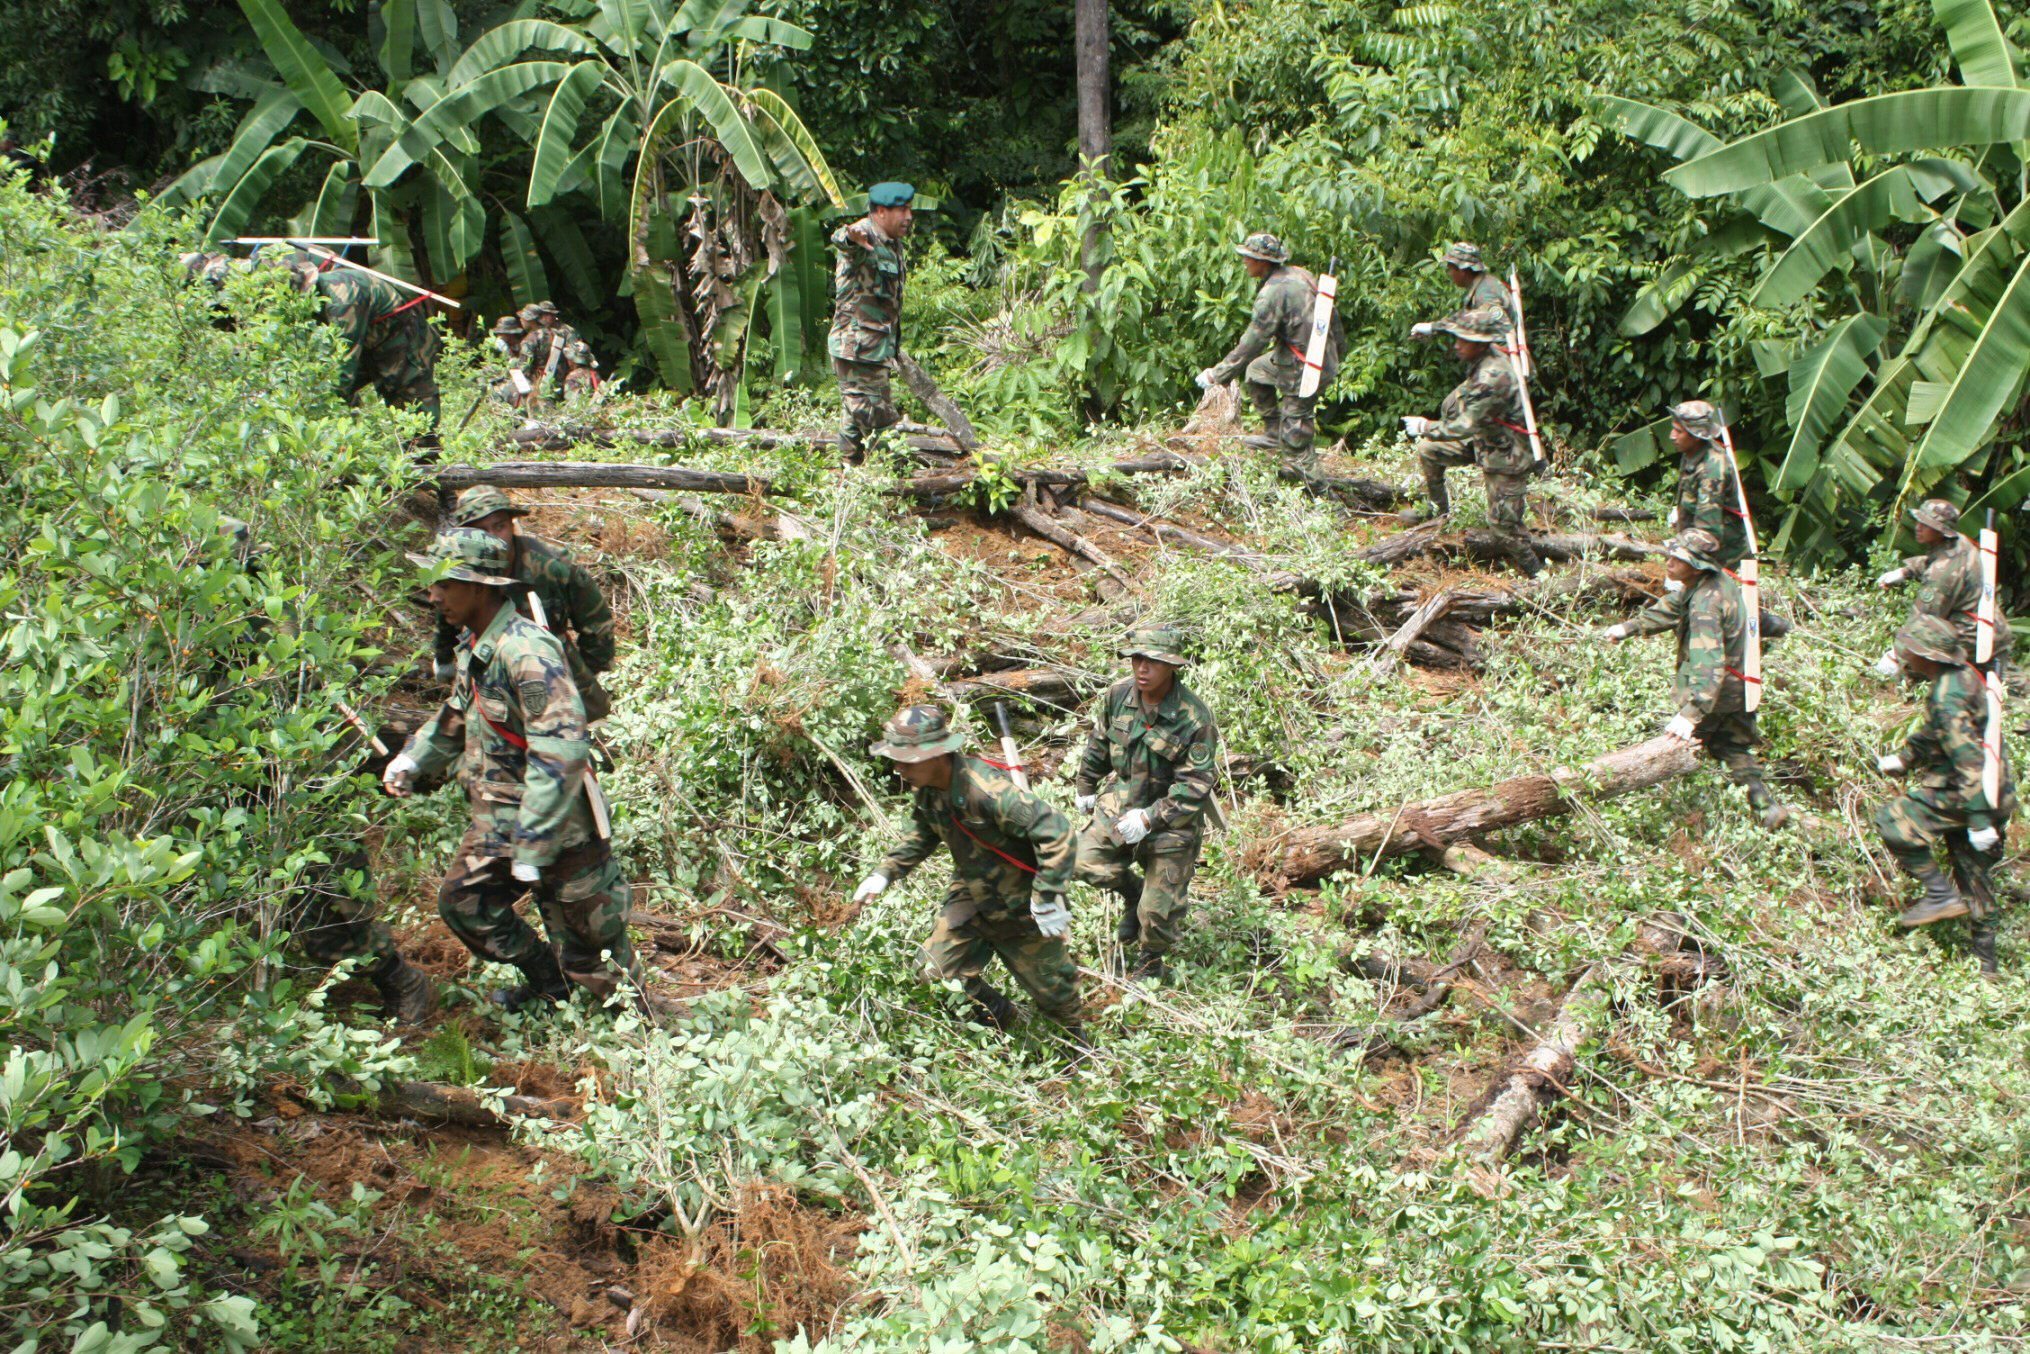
(1095, 119)
(1514, 1104)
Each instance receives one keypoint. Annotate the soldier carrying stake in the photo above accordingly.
(1711, 621)
(1152, 748)
(1012, 858)
(1948, 578)
(514, 726)
(1482, 289)
(1271, 356)
(1947, 800)
(389, 343)
(866, 339)
(1709, 490)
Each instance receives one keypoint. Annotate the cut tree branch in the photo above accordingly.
(594, 475)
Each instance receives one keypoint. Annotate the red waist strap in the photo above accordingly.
(1513, 427)
(1026, 869)
(512, 737)
(1303, 360)
(409, 304)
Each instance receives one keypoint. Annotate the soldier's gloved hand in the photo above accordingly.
(1051, 915)
(1671, 519)
(1422, 331)
(1680, 729)
(1614, 634)
(1132, 826)
(525, 872)
(395, 778)
(870, 887)
(1888, 665)
(1889, 763)
(1415, 426)
(1983, 839)
(1084, 803)
(1892, 578)
(444, 669)
(1205, 378)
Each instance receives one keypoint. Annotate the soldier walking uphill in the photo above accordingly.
(1482, 290)
(514, 726)
(1948, 578)
(1271, 355)
(1147, 782)
(1480, 423)
(1012, 857)
(1711, 621)
(1709, 489)
(556, 592)
(866, 339)
(1947, 801)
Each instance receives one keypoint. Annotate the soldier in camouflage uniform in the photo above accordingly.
(546, 342)
(1480, 424)
(1271, 355)
(1153, 745)
(1012, 860)
(1946, 756)
(509, 336)
(866, 338)
(556, 592)
(515, 729)
(1948, 578)
(1709, 491)
(581, 381)
(389, 343)
(1482, 290)
(1710, 618)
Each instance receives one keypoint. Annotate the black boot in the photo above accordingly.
(1130, 929)
(1984, 947)
(405, 993)
(542, 980)
(994, 1009)
(1941, 900)
(850, 446)
(1526, 558)
(1152, 967)
(1774, 815)
(1077, 1048)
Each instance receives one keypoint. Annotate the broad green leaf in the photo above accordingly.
(392, 254)
(1916, 119)
(337, 200)
(1658, 300)
(398, 41)
(1978, 43)
(438, 24)
(614, 147)
(662, 328)
(1682, 138)
(772, 33)
(1796, 91)
(704, 22)
(560, 128)
(1930, 265)
(524, 264)
(1822, 379)
(567, 248)
(304, 70)
(266, 120)
(1891, 195)
(697, 92)
(460, 107)
(1925, 398)
(193, 183)
(245, 198)
(1987, 381)
(795, 152)
(1644, 447)
(498, 46)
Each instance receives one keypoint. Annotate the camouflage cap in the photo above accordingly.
(917, 734)
(1933, 638)
(531, 315)
(1698, 418)
(891, 194)
(1460, 254)
(1264, 246)
(1937, 514)
(1164, 643)
(469, 555)
(579, 353)
(1487, 324)
(508, 324)
(482, 501)
(1696, 547)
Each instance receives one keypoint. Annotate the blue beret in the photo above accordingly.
(890, 195)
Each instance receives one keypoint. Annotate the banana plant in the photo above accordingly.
(1915, 373)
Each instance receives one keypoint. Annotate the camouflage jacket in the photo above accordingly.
(1487, 292)
(867, 321)
(541, 359)
(528, 802)
(1485, 411)
(1278, 332)
(1712, 627)
(1944, 753)
(1162, 762)
(573, 607)
(1709, 499)
(367, 313)
(988, 823)
(1948, 579)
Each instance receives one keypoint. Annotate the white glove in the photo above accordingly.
(395, 778)
(1204, 379)
(1052, 917)
(1614, 634)
(1888, 664)
(443, 670)
(525, 872)
(1415, 426)
(1680, 729)
(1422, 331)
(1671, 519)
(1084, 803)
(1132, 826)
(1892, 578)
(1983, 839)
(1889, 763)
(871, 887)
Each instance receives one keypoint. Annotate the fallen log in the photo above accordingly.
(438, 1103)
(1169, 532)
(1391, 653)
(934, 399)
(1040, 684)
(1307, 855)
(1483, 544)
(1033, 517)
(548, 437)
(1498, 1121)
(595, 475)
(930, 488)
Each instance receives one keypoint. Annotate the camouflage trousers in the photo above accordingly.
(1291, 419)
(582, 898)
(400, 361)
(966, 938)
(1910, 827)
(334, 914)
(1730, 740)
(1505, 489)
(869, 399)
(1165, 882)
